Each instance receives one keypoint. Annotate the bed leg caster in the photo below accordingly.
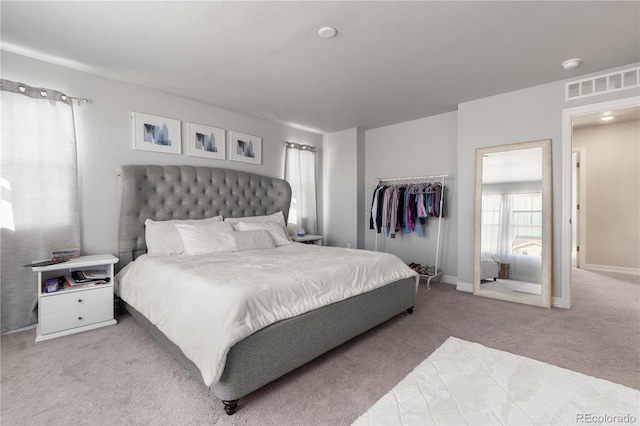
(230, 407)
(410, 311)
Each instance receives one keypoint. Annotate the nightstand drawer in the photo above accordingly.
(76, 318)
(61, 302)
(78, 308)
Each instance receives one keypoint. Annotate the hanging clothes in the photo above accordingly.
(440, 194)
(400, 213)
(393, 208)
(374, 208)
(408, 224)
(385, 210)
(406, 207)
(381, 201)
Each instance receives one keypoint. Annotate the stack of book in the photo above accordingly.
(86, 277)
(65, 254)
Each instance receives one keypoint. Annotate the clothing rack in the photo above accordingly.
(413, 179)
(420, 179)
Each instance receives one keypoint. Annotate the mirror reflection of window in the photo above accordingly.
(525, 225)
(512, 224)
(491, 223)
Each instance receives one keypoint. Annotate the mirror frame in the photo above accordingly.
(547, 232)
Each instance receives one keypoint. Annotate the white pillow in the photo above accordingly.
(207, 238)
(163, 238)
(276, 218)
(279, 237)
(253, 240)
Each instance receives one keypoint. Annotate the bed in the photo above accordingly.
(267, 350)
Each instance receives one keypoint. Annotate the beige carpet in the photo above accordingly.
(118, 375)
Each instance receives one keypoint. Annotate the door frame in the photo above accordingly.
(575, 202)
(579, 221)
(567, 142)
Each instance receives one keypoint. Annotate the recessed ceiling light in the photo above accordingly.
(570, 64)
(607, 118)
(327, 32)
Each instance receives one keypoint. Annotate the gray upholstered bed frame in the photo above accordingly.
(185, 192)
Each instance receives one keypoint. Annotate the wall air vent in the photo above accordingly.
(605, 83)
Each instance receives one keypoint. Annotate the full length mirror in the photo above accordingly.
(512, 257)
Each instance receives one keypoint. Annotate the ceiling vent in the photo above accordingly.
(605, 83)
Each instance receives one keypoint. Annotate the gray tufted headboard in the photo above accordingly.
(187, 192)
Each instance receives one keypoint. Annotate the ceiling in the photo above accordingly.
(390, 62)
(619, 115)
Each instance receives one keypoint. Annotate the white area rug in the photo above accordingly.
(467, 383)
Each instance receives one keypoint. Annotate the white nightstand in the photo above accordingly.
(308, 239)
(72, 310)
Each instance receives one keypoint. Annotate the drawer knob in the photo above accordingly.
(79, 300)
(80, 318)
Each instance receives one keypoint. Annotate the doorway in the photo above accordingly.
(570, 214)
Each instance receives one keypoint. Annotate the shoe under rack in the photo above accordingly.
(426, 272)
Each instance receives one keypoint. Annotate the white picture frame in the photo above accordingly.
(245, 148)
(206, 141)
(157, 134)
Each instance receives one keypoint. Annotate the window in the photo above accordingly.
(300, 172)
(512, 224)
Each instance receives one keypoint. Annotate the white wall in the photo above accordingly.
(524, 115)
(423, 147)
(104, 137)
(342, 173)
(611, 164)
(520, 116)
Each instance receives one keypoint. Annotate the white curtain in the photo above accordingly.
(300, 172)
(39, 197)
(525, 236)
(512, 233)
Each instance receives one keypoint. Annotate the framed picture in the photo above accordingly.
(159, 134)
(245, 148)
(204, 141)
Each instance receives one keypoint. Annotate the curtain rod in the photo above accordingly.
(38, 92)
(300, 146)
(79, 100)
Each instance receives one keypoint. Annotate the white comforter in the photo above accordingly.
(207, 303)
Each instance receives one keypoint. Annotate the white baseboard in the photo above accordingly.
(468, 287)
(614, 269)
(449, 279)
